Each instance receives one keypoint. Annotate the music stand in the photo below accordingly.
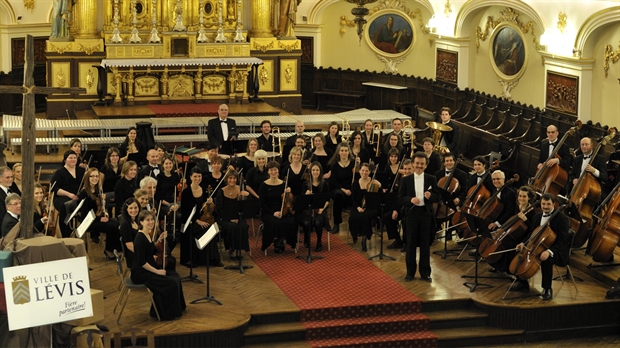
(303, 202)
(377, 200)
(478, 226)
(238, 146)
(201, 244)
(239, 206)
(447, 200)
(191, 276)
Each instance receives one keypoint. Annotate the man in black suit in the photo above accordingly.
(449, 139)
(559, 250)
(152, 168)
(480, 169)
(299, 132)
(11, 217)
(547, 147)
(416, 194)
(222, 128)
(6, 180)
(449, 164)
(584, 162)
(506, 196)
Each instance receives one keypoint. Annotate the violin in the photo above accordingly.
(182, 185)
(49, 212)
(208, 209)
(287, 198)
(241, 197)
(101, 208)
(371, 187)
(162, 250)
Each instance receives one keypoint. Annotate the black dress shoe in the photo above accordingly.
(493, 270)
(354, 238)
(364, 248)
(520, 286)
(319, 247)
(335, 229)
(547, 294)
(395, 245)
(409, 278)
(95, 240)
(403, 249)
(427, 279)
(105, 252)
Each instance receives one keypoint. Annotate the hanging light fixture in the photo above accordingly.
(359, 12)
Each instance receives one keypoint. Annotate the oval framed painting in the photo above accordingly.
(390, 33)
(508, 51)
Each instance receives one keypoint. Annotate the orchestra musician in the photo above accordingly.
(164, 284)
(94, 199)
(265, 140)
(142, 196)
(195, 196)
(333, 137)
(417, 193)
(278, 224)
(167, 181)
(449, 164)
(213, 177)
(392, 141)
(394, 215)
(149, 185)
(547, 147)
(295, 171)
(370, 138)
(76, 145)
(480, 168)
(596, 166)
(234, 228)
(111, 170)
(342, 165)
(449, 139)
(558, 251)
(6, 181)
(434, 160)
(315, 184)
(392, 168)
(257, 174)
(152, 168)
(397, 129)
(129, 227)
(40, 208)
(222, 128)
(16, 187)
(67, 182)
(132, 149)
(246, 162)
(507, 197)
(321, 154)
(13, 204)
(126, 184)
(358, 148)
(361, 217)
(299, 132)
(161, 152)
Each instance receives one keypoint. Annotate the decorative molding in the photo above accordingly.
(344, 22)
(263, 75)
(88, 50)
(60, 49)
(506, 15)
(90, 78)
(447, 66)
(507, 87)
(612, 55)
(288, 48)
(29, 4)
(562, 92)
(390, 64)
(61, 78)
(263, 48)
(288, 74)
(401, 6)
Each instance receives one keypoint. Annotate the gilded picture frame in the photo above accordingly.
(508, 52)
(390, 33)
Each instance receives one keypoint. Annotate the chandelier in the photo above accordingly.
(359, 12)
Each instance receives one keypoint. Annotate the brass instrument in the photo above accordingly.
(438, 129)
(346, 130)
(409, 135)
(275, 132)
(377, 127)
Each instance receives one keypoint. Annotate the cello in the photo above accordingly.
(491, 209)
(451, 185)
(585, 196)
(552, 179)
(606, 234)
(527, 262)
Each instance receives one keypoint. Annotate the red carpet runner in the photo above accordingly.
(184, 110)
(345, 300)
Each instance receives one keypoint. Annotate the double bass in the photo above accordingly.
(493, 206)
(585, 196)
(606, 234)
(552, 179)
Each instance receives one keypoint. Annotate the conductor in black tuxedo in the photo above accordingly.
(559, 250)
(222, 128)
(547, 147)
(449, 139)
(6, 180)
(11, 217)
(416, 194)
(506, 196)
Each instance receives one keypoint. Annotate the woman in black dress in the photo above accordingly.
(126, 185)
(16, 187)
(76, 145)
(111, 170)
(258, 174)
(315, 185)
(358, 148)
(195, 196)
(94, 199)
(392, 168)
(361, 218)
(227, 207)
(342, 167)
(295, 171)
(129, 228)
(167, 181)
(67, 182)
(434, 160)
(246, 162)
(40, 208)
(333, 137)
(371, 140)
(132, 146)
(214, 177)
(320, 153)
(278, 226)
(165, 284)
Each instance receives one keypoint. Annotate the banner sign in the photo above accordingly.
(47, 293)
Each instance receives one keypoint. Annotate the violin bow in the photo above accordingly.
(50, 199)
(285, 186)
(174, 214)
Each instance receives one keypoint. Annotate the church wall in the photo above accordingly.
(606, 90)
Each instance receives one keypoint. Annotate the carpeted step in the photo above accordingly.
(479, 335)
(361, 310)
(405, 339)
(376, 325)
(278, 332)
(458, 318)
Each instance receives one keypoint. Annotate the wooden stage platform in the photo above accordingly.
(252, 109)
(251, 298)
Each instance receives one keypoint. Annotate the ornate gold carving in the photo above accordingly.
(288, 74)
(562, 92)
(288, 48)
(29, 4)
(610, 55)
(506, 15)
(61, 79)
(561, 22)
(88, 50)
(263, 75)
(181, 85)
(263, 48)
(90, 78)
(142, 51)
(214, 84)
(147, 85)
(344, 22)
(238, 80)
(401, 6)
(447, 9)
(446, 70)
(60, 49)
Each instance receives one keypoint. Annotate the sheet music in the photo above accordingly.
(77, 210)
(90, 217)
(189, 220)
(207, 237)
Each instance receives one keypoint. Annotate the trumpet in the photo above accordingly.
(275, 132)
(346, 130)
(408, 135)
